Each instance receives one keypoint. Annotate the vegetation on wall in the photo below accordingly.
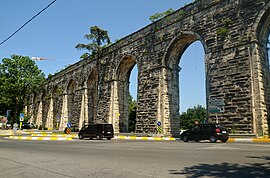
(160, 15)
(224, 30)
(100, 39)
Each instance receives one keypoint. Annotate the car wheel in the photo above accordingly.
(197, 140)
(80, 136)
(213, 139)
(185, 138)
(109, 138)
(224, 140)
(98, 137)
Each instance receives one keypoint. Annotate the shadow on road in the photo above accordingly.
(227, 169)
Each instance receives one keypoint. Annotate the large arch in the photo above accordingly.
(44, 107)
(170, 86)
(123, 74)
(57, 105)
(92, 94)
(70, 100)
(261, 72)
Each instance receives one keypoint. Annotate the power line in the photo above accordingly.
(27, 22)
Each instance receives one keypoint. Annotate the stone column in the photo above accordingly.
(84, 109)
(114, 107)
(168, 111)
(260, 84)
(39, 115)
(64, 113)
(49, 119)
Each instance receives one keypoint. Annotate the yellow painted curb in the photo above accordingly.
(52, 135)
(231, 140)
(261, 140)
(38, 138)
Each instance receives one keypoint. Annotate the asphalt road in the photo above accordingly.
(125, 158)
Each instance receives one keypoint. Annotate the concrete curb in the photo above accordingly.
(247, 140)
(145, 138)
(54, 135)
(257, 140)
(39, 138)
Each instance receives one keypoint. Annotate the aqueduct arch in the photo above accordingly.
(171, 60)
(234, 35)
(122, 76)
(92, 93)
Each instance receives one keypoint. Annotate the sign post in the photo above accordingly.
(21, 119)
(159, 129)
(57, 122)
(68, 130)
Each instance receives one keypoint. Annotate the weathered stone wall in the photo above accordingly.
(233, 33)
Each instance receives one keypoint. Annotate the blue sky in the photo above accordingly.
(55, 33)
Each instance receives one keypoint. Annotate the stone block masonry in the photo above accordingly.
(234, 36)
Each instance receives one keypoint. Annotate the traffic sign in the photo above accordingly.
(158, 123)
(68, 130)
(215, 109)
(159, 129)
(68, 124)
(21, 115)
(216, 102)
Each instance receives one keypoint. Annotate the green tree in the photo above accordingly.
(100, 39)
(188, 118)
(160, 15)
(19, 77)
(132, 108)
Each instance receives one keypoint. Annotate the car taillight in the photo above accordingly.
(217, 130)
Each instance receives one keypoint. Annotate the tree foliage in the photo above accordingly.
(188, 118)
(19, 77)
(160, 15)
(100, 39)
(132, 108)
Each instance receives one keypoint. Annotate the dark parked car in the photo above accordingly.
(210, 131)
(27, 125)
(98, 131)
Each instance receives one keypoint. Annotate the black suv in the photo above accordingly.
(210, 131)
(98, 131)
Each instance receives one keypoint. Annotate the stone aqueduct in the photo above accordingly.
(234, 35)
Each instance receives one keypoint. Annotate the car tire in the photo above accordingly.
(213, 139)
(224, 140)
(196, 140)
(109, 138)
(80, 136)
(185, 138)
(98, 137)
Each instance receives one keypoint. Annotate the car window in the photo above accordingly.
(108, 127)
(207, 127)
(195, 129)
